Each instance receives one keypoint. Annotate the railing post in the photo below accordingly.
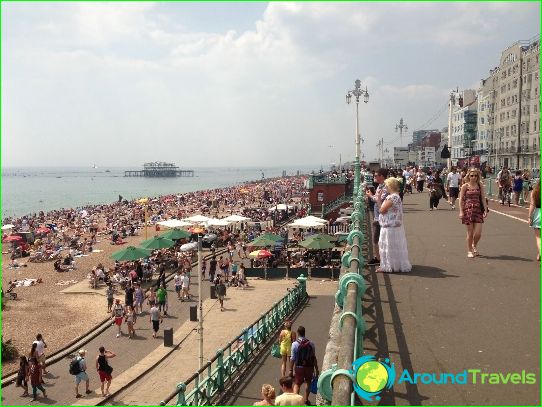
(181, 400)
(245, 344)
(302, 283)
(490, 186)
(220, 369)
(522, 194)
(196, 393)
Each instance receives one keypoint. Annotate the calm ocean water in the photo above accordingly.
(28, 190)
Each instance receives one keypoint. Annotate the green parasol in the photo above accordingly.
(131, 253)
(157, 242)
(324, 236)
(317, 243)
(176, 234)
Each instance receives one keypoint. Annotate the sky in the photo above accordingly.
(236, 84)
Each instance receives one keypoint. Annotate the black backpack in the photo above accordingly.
(305, 353)
(75, 366)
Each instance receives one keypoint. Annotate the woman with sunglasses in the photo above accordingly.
(472, 209)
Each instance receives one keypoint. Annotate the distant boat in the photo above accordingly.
(94, 166)
(107, 171)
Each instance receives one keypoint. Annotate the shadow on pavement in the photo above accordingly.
(505, 257)
(428, 272)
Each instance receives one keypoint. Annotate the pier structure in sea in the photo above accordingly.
(159, 170)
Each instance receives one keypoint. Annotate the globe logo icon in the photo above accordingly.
(372, 376)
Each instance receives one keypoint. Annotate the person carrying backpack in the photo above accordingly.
(117, 315)
(78, 367)
(303, 363)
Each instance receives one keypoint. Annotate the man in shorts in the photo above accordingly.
(161, 297)
(221, 292)
(303, 363)
(117, 315)
(178, 284)
(155, 318)
(109, 293)
(104, 370)
(185, 286)
(452, 185)
(82, 375)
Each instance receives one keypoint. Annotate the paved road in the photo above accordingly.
(453, 313)
(315, 317)
(60, 384)
(449, 314)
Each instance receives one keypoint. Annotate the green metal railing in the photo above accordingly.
(336, 384)
(204, 386)
(492, 190)
(331, 206)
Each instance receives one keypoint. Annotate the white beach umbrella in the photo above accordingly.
(314, 218)
(217, 222)
(306, 223)
(197, 219)
(174, 223)
(236, 218)
(189, 246)
(8, 227)
(281, 207)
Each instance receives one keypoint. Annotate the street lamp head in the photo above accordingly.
(348, 98)
(366, 95)
(358, 83)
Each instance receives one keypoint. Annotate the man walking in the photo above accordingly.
(82, 374)
(40, 350)
(303, 363)
(185, 287)
(161, 296)
(155, 318)
(452, 185)
(117, 315)
(380, 177)
(212, 269)
(221, 292)
(178, 283)
(104, 369)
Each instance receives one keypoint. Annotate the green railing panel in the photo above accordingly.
(212, 379)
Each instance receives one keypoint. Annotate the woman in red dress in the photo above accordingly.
(472, 209)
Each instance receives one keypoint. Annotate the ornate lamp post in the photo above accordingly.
(357, 92)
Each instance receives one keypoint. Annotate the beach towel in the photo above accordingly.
(97, 251)
(27, 282)
(66, 282)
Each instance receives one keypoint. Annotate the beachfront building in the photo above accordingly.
(463, 126)
(511, 92)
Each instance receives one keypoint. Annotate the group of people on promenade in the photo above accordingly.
(299, 366)
(464, 187)
(33, 367)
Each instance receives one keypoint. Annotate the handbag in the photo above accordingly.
(314, 384)
(275, 351)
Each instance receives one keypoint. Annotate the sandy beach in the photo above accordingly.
(61, 318)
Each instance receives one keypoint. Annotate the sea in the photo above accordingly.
(32, 189)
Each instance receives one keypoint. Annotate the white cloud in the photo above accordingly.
(111, 71)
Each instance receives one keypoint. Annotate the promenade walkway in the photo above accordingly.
(453, 313)
(449, 314)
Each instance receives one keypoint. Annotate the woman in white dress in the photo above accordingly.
(392, 243)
